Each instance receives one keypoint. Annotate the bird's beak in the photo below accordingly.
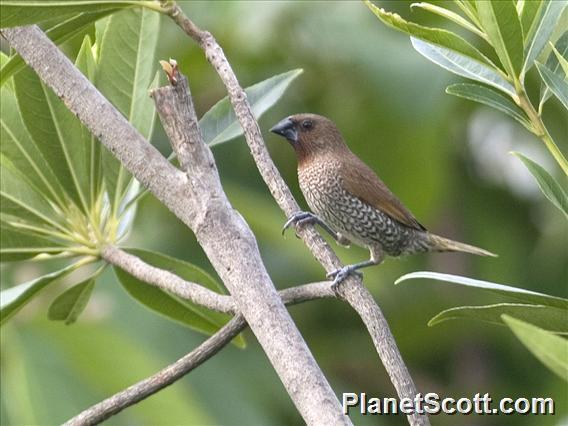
(287, 129)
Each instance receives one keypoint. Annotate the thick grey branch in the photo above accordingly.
(225, 237)
(168, 281)
(353, 290)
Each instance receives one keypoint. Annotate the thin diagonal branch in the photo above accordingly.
(352, 289)
(175, 371)
(168, 281)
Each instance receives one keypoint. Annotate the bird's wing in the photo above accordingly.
(359, 180)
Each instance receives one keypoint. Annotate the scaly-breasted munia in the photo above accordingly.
(350, 201)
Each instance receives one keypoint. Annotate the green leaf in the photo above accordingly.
(451, 16)
(15, 298)
(554, 82)
(58, 33)
(525, 296)
(541, 30)
(15, 13)
(487, 96)
(548, 185)
(529, 15)
(126, 69)
(553, 64)
(562, 61)
(436, 36)
(463, 65)
(18, 245)
(19, 148)
(168, 305)
(546, 317)
(550, 349)
(220, 124)
(86, 63)
(55, 132)
(501, 24)
(18, 198)
(72, 302)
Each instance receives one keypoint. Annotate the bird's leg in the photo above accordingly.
(301, 218)
(340, 274)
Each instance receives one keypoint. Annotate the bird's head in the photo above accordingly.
(310, 135)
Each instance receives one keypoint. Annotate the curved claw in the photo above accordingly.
(340, 274)
(299, 217)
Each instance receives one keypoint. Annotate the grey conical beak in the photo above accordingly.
(287, 129)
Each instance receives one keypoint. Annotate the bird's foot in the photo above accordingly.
(299, 218)
(340, 274)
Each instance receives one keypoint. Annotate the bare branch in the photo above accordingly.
(225, 237)
(172, 373)
(168, 281)
(353, 291)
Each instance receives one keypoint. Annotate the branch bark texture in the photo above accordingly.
(223, 234)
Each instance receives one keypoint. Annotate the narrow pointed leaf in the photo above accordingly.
(529, 17)
(220, 124)
(126, 69)
(15, 298)
(490, 97)
(548, 185)
(59, 33)
(436, 36)
(463, 65)
(20, 149)
(72, 302)
(553, 65)
(448, 14)
(168, 305)
(547, 317)
(562, 61)
(501, 24)
(547, 347)
(525, 296)
(55, 131)
(15, 13)
(554, 82)
(542, 29)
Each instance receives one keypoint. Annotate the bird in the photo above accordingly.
(350, 202)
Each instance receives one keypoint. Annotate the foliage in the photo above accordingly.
(76, 197)
(518, 34)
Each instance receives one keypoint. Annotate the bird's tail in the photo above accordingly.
(444, 244)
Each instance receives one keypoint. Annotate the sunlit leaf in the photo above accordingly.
(501, 24)
(553, 64)
(549, 348)
(490, 97)
(463, 65)
(15, 13)
(168, 305)
(15, 298)
(72, 302)
(435, 36)
(220, 124)
(548, 185)
(562, 61)
(126, 69)
(529, 17)
(525, 296)
(451, 16)
(554, 82)
(59, 33)
(547, 317)
(541, 30)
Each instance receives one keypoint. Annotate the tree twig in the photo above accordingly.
(352, 289)
(225, 237)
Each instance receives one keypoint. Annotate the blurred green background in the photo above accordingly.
(448, 161)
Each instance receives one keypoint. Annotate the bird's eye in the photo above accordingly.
(307, 124)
